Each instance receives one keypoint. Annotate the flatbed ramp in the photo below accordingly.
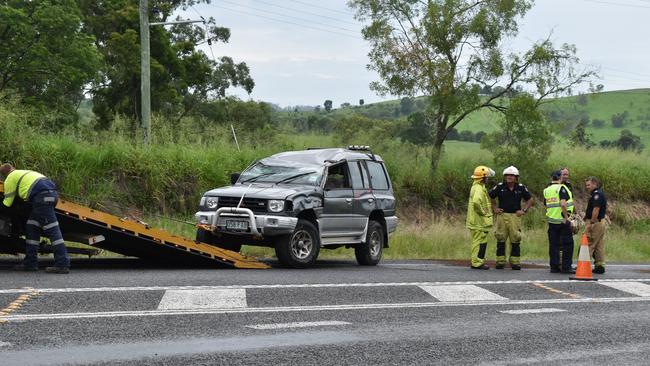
(105, 231)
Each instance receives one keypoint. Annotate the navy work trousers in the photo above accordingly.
(42, 218)
(560, 238)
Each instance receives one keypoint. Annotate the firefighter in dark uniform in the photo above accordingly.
(41, 193)
(558, 199)
(595, 228)
(509, 193)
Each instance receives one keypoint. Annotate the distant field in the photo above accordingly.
(598, 106)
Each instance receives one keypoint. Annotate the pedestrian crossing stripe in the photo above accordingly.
(462, 293)
(203, 299)
(634, 288)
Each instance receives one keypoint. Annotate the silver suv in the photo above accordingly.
(300, 201)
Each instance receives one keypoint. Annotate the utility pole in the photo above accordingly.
(145, 74)
(145, 84)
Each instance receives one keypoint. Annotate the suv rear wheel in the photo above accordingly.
(369, 253)
(204, 236)
(300, 249)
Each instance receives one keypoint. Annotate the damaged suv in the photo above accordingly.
(300, 201)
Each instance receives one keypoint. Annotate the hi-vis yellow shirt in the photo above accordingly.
(20, 182)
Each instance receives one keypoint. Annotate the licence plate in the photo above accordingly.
(236, 225)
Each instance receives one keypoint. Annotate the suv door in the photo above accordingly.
(338, 217)
(381, 187)
(364, 200)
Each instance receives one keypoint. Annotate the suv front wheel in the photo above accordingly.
(369, 253)
(300, 249)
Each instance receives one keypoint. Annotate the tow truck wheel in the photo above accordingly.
(369, 253)
(300, 249)
(205, 236)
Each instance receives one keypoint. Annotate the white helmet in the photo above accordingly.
(511, 170)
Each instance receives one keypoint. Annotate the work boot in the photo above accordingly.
(24, 268)
(59, 270)
(555, 269)
(515, 267)
(499, 266)
(569, 271)
(599, 270)
(481, 267)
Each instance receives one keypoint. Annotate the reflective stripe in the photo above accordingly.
(10, 194)
(49, 226)
(58, 242)
(552, 205)
(32, 242)
(554, 221)
(49, 199)
(33, 223)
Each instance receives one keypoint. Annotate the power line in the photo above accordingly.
(290, 17)
(287, 22)
(306, 12)
(321, 7)
(617, 4)
(625, 71)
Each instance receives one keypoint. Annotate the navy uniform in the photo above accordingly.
(508, 223)
(41, 192)
(596, 229)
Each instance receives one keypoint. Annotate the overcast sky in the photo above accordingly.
(302, 52)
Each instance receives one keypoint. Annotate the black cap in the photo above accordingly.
(556, 175)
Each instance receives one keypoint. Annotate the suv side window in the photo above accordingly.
(338, 177)
(378, 177)
(358, 175)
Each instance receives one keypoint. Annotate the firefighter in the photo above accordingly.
(595, 228)
(41, 193)
(479, 216)
(509, 193)
(557, 199)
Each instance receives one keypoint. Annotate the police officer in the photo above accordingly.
(595, 228)
(479, 216)
(558, 199)
(41, 192)
(510, 193)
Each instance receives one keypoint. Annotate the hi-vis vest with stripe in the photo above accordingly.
(20, 182)
(553, 208)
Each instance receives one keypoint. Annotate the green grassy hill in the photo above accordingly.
(564, 112)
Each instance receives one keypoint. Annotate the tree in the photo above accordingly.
(444, 48)
(345, 105)
(582, 100)
(182, 76)
(629, 141)
(466, 135)
(579, 135)
(328, 105)
(44, 56)
(406, 106)
(361, 102)
(417, 132)
(618, 119)
(524, 138)
(598, 123)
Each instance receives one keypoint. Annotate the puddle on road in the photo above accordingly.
(86, 354)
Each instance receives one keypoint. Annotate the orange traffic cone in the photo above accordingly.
(583, 272)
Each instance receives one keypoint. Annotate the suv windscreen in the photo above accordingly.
(261, 172)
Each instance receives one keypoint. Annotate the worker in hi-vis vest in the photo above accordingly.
(558, 199)
(41, 193)
(479, 216)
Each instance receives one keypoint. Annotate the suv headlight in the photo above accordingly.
(276, 205)
(211, 202)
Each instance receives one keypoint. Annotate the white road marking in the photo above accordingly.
(4, 344)
(298, 285)
(634, 288)
(532, 311)
(456, 293)
(295, 325)
(298, 309)
(203, 299)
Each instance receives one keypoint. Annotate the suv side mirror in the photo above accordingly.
(234, 177)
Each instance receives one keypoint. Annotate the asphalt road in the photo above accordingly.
(124, 313)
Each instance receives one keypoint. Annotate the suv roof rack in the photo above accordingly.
(362, 148)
